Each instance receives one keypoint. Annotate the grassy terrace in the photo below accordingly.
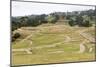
(52, 44)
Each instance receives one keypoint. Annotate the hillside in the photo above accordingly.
(53, 43)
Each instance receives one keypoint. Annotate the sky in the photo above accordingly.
(29, 8)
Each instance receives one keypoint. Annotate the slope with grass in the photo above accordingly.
(52, 44)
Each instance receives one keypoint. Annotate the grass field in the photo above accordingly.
(53, 44)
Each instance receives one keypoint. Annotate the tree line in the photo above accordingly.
(84, 18)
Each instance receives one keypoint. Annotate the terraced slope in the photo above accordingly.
(53, 44)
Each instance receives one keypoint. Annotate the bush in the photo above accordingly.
(87, 23)
(71, 23)
(15, 36)
(13, 39)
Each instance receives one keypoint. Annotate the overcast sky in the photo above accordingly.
(27, 8)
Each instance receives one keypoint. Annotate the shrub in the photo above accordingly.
(71, 22)
(15, 36)
(87, 23)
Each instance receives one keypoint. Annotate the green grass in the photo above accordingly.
(52, 58)
(18, 45)
(45, 39)
(68, 50)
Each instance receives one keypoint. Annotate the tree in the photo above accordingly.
(86, 21)
(51, 19)
(24, 21)
(71, 22)
(79, 20)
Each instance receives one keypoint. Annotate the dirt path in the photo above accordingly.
(51, 45)
(27, 38)
(87, 37)
(83, 48)
(28, 50)
(67, 39)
